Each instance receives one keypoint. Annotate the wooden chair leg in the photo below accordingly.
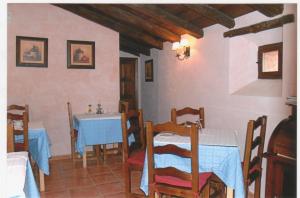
(97, 152)
(119, 148)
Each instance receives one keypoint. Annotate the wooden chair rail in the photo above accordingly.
(172, 149)
(171, 171)
(187, 110)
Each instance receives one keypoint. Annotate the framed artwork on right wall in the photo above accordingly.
(270, 61)
(149, 70)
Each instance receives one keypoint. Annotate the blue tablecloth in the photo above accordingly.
(39, 145)
(30, 187)
(224, 161)
(96, 129)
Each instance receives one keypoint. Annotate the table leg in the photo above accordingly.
(42, 181)
(229, 192)
(97, 148)
(84, 158)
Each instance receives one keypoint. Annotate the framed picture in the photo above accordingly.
(149, 71)
(81, 54)
(270, 61)
(31, 52)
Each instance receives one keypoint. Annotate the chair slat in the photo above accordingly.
(187, 110)
(174, 172)
(256, 142)
(172, 149)
(253, 176)
(254, 162)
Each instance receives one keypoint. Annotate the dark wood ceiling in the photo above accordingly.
(146, 26)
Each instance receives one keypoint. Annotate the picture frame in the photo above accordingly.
(270, 61)
(31, 51)
(149, 70)
(80, 54)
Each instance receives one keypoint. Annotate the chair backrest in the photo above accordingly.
(188, 111)
(19, 108)
(20, 127)
(70, 116)
(136, 122)
(153, 171)
(10, 137)
(123, 106)
(252, 165)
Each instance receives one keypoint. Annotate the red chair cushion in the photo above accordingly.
(137, 158)
(19, 147)
(174, 181)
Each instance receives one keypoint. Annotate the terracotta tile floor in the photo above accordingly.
(102, 180)
(68, 179)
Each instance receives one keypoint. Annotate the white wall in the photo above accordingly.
(47, 90)
(203, 80)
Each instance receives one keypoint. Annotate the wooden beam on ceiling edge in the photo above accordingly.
(127, 43)
(269, 10)
(165, 18)
(258, 27)
(86, 12)
(212, 14)
(137, 22)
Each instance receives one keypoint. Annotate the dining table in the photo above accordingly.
(97, 129)
(218, 153)
(20, 179)
(39, 149)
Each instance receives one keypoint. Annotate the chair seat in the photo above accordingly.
(137, 158)
(174, 181)
(19, 147)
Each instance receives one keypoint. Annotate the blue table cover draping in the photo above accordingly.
(30, 187)
(39, 146)
(98, 129)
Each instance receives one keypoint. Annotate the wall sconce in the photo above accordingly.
(182, 49)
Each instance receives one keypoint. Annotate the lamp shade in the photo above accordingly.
(175, 45)
(184, 43)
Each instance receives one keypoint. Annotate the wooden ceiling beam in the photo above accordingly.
(212, 14)
(129, 50)
(165, 18)
(136, 21)
(269, 10)
(86, 12)
(128, 43)
(258, 27)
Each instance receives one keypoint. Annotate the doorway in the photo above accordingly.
(128, 81)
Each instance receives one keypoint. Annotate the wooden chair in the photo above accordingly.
(73, 133)
(10, 137)
(170, 180)
(123, 106)
(19, 108)
(133, 158)
(20, 127)
(252, 165)
(188, 111)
